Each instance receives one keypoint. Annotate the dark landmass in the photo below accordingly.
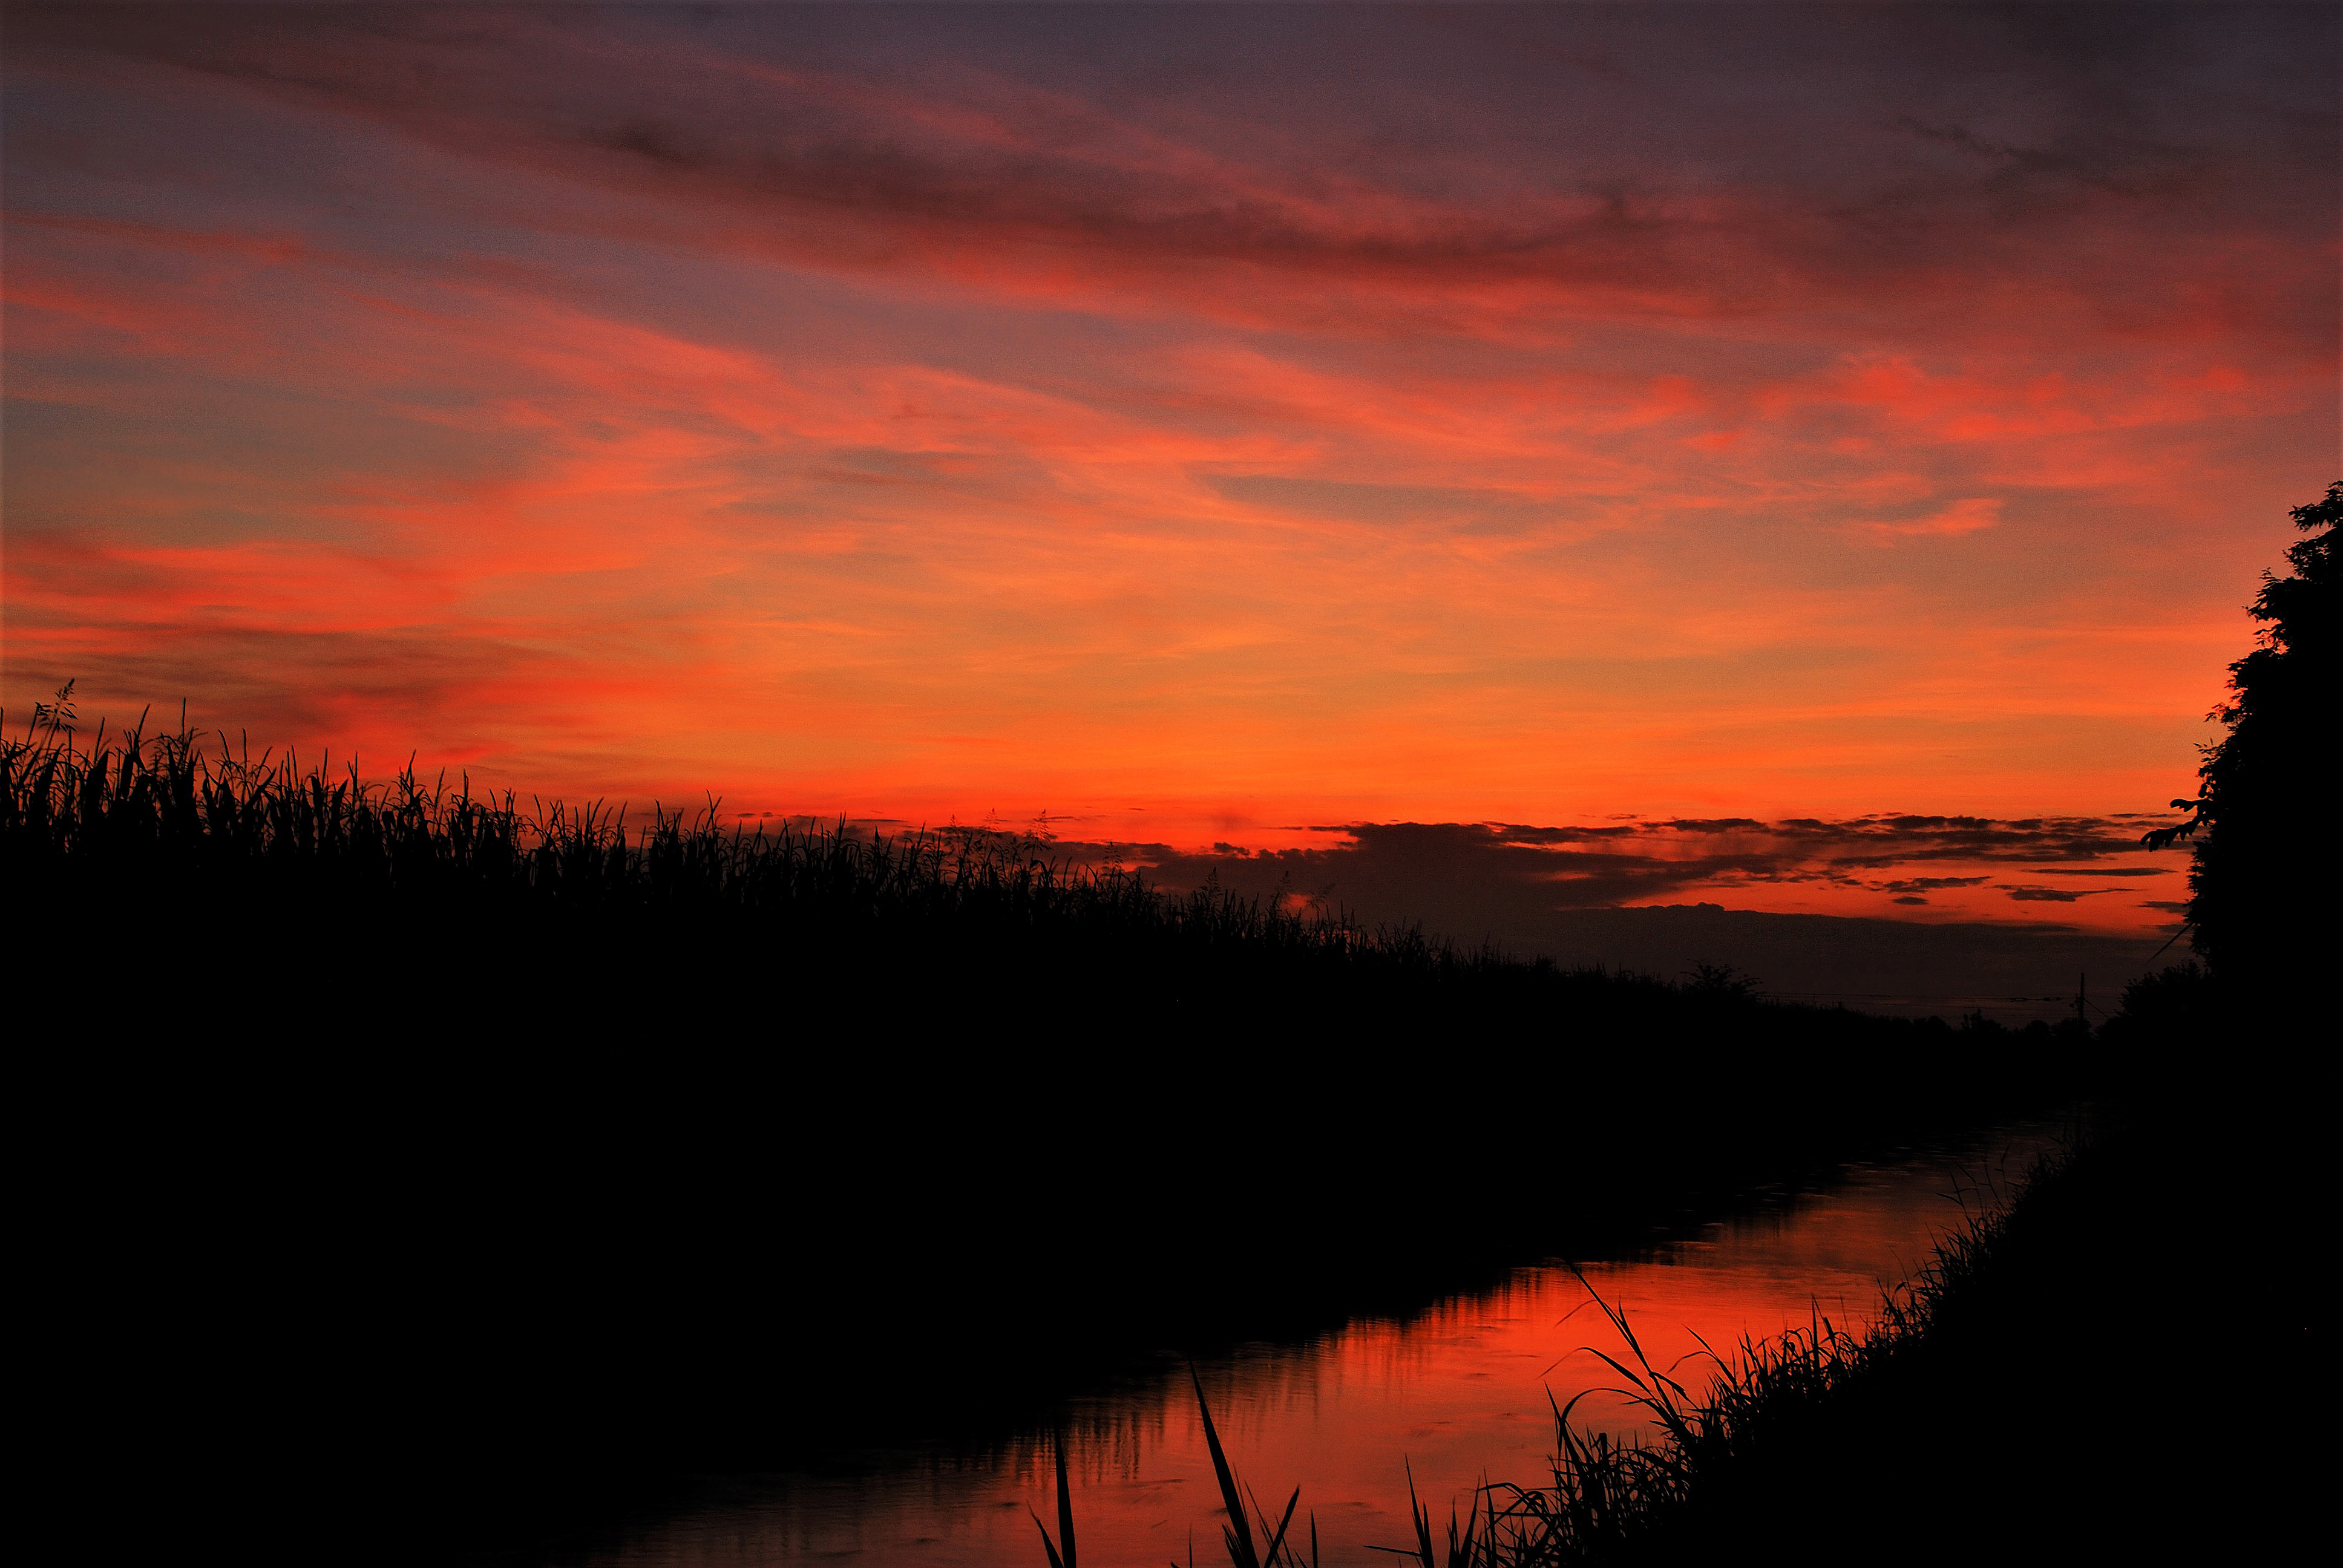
(1900, 967)
(2108, 1371)
(1615, 901)
(428, 1176)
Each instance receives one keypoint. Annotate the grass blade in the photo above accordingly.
(1239, 1532)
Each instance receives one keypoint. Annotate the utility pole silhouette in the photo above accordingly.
(2083, 997)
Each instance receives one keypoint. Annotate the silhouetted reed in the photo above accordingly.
(723, 1112)
(2029, 1395)
(205, 866)
(138, 814)
(1607, 1498)
(1247, 1535)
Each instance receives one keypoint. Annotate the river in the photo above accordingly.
(1456, 1394)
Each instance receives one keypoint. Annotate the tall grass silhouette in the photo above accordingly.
(168, 806)
(227, 870)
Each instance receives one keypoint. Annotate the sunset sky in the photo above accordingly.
(1206, 426)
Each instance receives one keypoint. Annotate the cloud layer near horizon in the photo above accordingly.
(1215, 419)
(1804, 906)
(1474, 880)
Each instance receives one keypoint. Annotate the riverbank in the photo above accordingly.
(2110, 1369)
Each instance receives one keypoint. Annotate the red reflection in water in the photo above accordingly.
(1459, 1394)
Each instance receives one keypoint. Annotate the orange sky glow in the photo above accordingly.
(1201, 427)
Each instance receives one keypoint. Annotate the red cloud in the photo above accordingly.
(924, 425)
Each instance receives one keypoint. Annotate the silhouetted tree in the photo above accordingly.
(2263, 887)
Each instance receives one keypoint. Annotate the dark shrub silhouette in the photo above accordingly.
(2263, 819)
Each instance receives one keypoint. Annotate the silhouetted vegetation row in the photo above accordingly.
(213, 868)
(666, 1144)
(142, 812)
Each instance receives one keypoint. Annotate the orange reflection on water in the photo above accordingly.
(1457, 1395)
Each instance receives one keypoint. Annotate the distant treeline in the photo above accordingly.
(472, 1141)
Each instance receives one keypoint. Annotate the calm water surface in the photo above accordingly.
(1459, 1392)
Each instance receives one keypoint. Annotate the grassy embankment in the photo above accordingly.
(2117, 1365)
(471, 1141)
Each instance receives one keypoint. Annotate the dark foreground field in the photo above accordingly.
(417, 1173)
